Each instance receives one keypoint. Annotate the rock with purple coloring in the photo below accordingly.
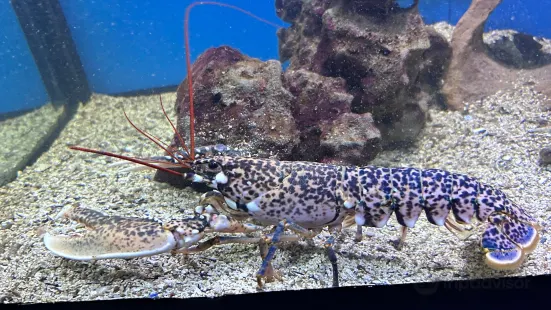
(375, 46)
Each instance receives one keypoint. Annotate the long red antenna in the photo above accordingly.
(188, 60)
(182, 163)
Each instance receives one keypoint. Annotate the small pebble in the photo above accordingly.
(480, 131)
(6, 225)
(369, 234)
(545, 156)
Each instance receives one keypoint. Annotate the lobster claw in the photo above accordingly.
(116, 237)
(109, 237)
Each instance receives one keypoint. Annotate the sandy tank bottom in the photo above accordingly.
(491, 143)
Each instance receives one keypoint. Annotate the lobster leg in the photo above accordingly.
(270, 273)
(269, 255)
(403, 233)
(220, 240)
(329, 243)
(359, 233)
(275, 239)
(215, 201)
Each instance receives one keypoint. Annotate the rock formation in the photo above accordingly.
(472, 73)
(238, 101)
(376, 47)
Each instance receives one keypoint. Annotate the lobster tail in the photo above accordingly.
(506, 241)
(456, 201)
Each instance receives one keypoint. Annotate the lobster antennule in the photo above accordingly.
(182, 143)
(148, 136)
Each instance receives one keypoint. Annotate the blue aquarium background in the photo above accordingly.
(128, 46)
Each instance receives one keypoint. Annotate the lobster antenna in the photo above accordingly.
(149, 163)
(188, 60)
(134, 160)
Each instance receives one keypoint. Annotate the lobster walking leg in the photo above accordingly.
(266, 262)
(403, 233)
(329, 243)
(359, 233)
(220, 240)
(275, 239)
(269, 273)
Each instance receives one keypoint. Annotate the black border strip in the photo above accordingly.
(502, 293)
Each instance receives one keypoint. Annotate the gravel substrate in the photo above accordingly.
(21, 137)
(491, 143)
(497, 141)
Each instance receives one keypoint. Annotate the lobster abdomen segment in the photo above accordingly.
(510, 232)
(408, 192)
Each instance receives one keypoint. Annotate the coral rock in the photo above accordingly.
(516, 49)
(238, 101)
(351, 139)
(545, 156)
(321, 103)
(318, 98)
(375, 46)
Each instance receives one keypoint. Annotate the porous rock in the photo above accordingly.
(545, 156)
(250, 104)
(361, 65)
(375, 46)
(320, 105)
(351, 139)
(238, 101)
(518, 50)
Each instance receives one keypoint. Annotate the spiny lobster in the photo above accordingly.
(249, 194)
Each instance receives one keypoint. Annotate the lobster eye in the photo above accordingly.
(213, 165)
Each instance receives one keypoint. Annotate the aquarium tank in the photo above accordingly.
(180, 149)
